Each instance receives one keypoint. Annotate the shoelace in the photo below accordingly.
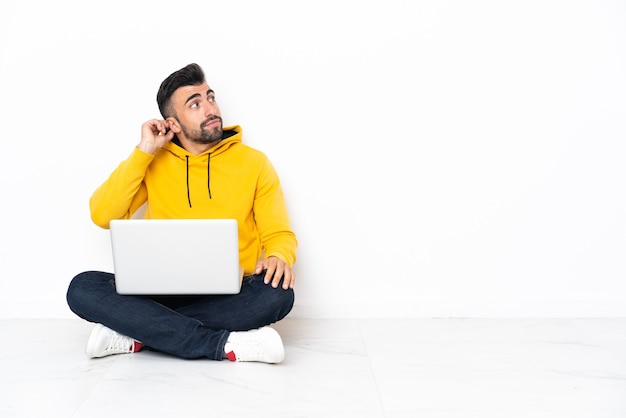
(119, 342)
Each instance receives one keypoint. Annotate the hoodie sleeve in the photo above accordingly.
(123, 192)
(270, 213)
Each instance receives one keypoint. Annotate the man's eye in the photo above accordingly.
(194, 105)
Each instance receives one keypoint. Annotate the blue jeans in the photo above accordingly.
(185, 326)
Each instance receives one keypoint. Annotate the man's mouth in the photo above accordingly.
(211, 121)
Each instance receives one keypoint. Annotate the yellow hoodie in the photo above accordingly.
(231, 180)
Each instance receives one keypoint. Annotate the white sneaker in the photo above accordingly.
(105, 342)
(263, 344)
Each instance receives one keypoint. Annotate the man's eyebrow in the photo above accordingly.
(193, 96)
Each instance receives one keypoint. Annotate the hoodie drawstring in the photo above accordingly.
(208, 176)
(188, 193)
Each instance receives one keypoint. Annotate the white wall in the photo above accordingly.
(440, 158)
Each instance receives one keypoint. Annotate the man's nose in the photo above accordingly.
(209, 109)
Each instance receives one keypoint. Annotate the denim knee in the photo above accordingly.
(282, 300)
(287, 301)
(85, 287)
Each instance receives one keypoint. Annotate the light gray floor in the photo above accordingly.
(435, 368)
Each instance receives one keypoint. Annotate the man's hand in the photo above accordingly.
(275, 270)
(154, 135)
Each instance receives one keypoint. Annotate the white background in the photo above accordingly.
(440, 158)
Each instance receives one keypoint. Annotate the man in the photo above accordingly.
(188, 166)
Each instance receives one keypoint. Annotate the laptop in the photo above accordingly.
(176, 256)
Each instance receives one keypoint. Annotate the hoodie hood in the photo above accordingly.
(231, 135)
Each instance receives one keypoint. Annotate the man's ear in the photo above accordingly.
(175, 126)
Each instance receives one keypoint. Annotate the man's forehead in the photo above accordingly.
(185, 92)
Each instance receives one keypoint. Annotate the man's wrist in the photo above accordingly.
(147, 148)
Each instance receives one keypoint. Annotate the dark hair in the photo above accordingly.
(191, 75)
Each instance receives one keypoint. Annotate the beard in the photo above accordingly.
(204, 136)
